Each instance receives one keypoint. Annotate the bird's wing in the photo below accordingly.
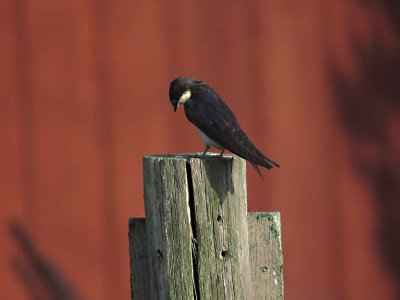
(212, 116)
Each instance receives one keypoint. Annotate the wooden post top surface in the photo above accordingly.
(198, 155)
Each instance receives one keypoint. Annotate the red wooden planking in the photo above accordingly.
(303, 189)
(67, 217)
(349, 21)
(12, 196)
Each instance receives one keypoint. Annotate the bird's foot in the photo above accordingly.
(205, 151)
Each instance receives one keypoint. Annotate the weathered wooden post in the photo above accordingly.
(194, 242)
(265, 255)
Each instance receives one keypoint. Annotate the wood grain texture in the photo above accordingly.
(266, 258)
(196, 220)
(139, 264)
(219, 190)
(168, 228)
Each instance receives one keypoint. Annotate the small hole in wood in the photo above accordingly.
(219, 219)
(159, 254)
(224, 253)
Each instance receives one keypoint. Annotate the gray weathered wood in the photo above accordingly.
(200, 240)
(169, 236)
(220, 204)
(266, 255)
(139, 265)
(196, 225)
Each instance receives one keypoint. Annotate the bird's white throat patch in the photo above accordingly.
(185, 96)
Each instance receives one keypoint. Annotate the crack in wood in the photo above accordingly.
(195, 248)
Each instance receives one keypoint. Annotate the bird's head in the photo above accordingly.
(180, 91)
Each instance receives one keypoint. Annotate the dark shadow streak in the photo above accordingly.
(40, 277)
(212, 166)
(368, 107)
(193, 221)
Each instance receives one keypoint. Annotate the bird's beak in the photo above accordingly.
(176, 105)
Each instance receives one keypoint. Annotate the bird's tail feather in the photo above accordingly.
(271, 163)
(257, 169)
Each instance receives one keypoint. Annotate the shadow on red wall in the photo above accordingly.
(41, 279)
(370, 109)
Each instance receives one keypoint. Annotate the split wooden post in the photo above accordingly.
(196, 230)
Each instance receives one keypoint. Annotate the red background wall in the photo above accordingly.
(84, 95)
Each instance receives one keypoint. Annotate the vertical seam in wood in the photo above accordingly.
(195, 249)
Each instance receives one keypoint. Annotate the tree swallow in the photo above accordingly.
(214, 120)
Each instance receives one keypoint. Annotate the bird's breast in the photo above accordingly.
(208, 141)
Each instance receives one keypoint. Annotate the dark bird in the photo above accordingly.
(214, 120)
